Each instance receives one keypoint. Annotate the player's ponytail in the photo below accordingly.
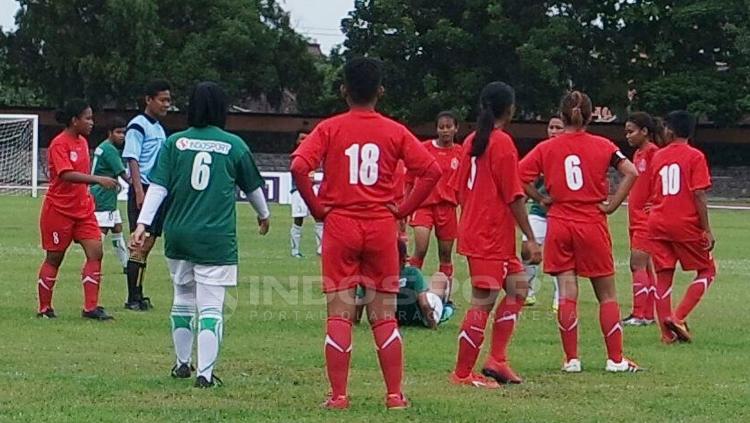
(576, 109)
(73, 108)
(496, 101)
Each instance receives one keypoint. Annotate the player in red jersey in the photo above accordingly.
(578, 243)
(68, 210)
(492, 202)
(678, 224)
(439, 209)
(359, 151)
(644, 133)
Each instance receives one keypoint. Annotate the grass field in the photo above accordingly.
(272, 362)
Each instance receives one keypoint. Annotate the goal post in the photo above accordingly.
(19, 154)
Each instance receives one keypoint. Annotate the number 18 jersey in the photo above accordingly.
(359, 151)
(575, 168)
(200, 168)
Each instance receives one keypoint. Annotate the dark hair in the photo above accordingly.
(363, 77)
(208, 106)
(681, 123)
(496, 99)
(447, 114)
(116, 122)
(576, 109)
(73, 108)
(653, 126)
(153, 88)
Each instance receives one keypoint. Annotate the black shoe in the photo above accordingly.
(133, 306)
(146, 304)
(182, 371)
(202, 382)
(96, 314)
(47, 314)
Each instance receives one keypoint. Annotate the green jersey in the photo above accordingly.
(411, 284)
(107, 162)
(200, 167)
(537, 209)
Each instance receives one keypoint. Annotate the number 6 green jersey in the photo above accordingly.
(200, 168)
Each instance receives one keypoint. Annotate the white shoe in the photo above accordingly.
(572, 366)
(625, 365)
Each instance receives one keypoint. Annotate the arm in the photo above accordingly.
(300, 170)
(257, 200)
(83, 178)
(426, 310)
(135, 176)
(155, 196)
(421, 190)
(630, 174)
(701, 205)
(518, 208)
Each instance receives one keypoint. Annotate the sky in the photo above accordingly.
(320, 20)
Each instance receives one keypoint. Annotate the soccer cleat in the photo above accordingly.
(648, 322)
(626, 365)
(502, 373)
(474, 380)
(146, 304)
(530, 300)
(449, 309)
(203, 383)
(133, 306)
(96, 314)
(634, 321)
(680, 329)
(182, 371)
(340, 402)
(572, 366)
(396, 402)
(298, 256)
(669, 340)
(47, 314)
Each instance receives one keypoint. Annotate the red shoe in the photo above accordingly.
(501, 372)
(340, 402)
(474, 380)
(396, 402)
(680, 328)
(669, 340)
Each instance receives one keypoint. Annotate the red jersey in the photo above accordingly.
(575, 168)
(448, 158)
(68, 153)
(360, 150)
(641, 191)
(486, 186)
(679, 170)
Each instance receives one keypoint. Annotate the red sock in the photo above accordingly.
(648, 312)
(338, 353)
(416, 262)
(664, 300)
(506, 317)
(470, 340)
(694, 293)
(609, 320)
(45, 285)
(567, 322)
(640, 293)
(447, 268)
(390, 353)
(91, 276)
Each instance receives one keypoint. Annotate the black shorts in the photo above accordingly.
(133, 211)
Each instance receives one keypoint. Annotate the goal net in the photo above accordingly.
(19, 157)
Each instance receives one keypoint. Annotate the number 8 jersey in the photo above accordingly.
(575, 167)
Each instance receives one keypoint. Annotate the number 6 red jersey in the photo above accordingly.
(575, 168)
(360, 150)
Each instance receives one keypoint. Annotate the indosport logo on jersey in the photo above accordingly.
(203, 145)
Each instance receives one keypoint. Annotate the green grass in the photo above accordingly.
(272, 361)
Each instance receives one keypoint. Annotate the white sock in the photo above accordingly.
(121, 250)
(531, 273)
(319, 236)
(295, 235)
(210, 300)
(556, 297)
(183, 321)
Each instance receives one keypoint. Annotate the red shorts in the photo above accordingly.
(59, 230)
(441, 216)
(639, 240)
(585, 248)
(360, 252)
(691, 255)
(492, 274)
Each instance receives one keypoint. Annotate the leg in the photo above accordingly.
(119, 246)
(693, 256)
(136, 271)
(338, 343)
(46, 281)
(609, 316)
(381, 312)
(651, 299)
(182, 315)
(664, 279)
(295, 235)
(506, 317)
(471, 334)
(567, 313)
(210, 304)
(421, 244)
(319, 237)
(445, 253)
(639, 261)
(91, 274)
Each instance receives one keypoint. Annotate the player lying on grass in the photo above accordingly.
(678, 224)
(578, 243)
(419, 304)
(300, 212)
(642, 132)
(199, 168)
(108, 162)
(359, 151)
(68, 210)
(492, 203)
